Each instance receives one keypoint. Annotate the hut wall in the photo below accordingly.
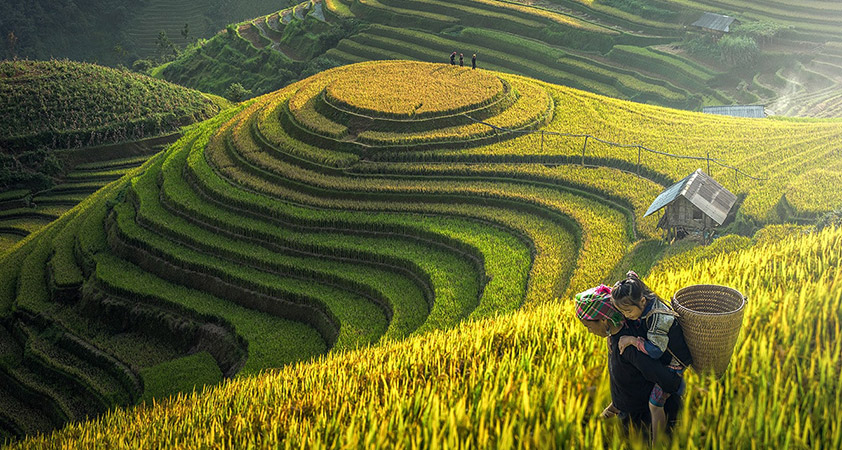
(682, 213)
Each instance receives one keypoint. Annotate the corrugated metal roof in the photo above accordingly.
(713, 21)
(666, 197)
(702, 191)
(752, 111)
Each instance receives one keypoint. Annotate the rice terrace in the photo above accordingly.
(421, 224)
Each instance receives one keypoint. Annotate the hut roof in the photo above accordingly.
(752, 111)
(716, 22)
(702, 191)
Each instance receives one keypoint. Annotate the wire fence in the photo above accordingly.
(640, 149)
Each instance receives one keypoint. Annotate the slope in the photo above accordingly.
(353, 210)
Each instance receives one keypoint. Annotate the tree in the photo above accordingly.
(13, 42)
(120, 51)
(236, 92)
(167, 50)
(142, 65)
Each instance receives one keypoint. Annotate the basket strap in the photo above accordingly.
(676, 358)
(665, 310)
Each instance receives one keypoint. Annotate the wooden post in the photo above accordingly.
(584, 147)
(638, 160)
(736, 177)
(708, 162)
(542, 142)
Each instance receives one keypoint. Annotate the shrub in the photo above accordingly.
(142, 65)
(740, 51)
(236, 92)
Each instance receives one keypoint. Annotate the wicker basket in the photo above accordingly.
(711, 317)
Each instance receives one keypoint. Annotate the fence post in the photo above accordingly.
(584, 147)
(542, 142)
(638, 160)
(736, 177)
(708, 162)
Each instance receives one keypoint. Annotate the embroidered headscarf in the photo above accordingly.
(595, 304)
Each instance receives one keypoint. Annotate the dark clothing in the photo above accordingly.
(634, 374)
(664, 337)
(474, 62)
(461, 61)
(677, 345)
(453, 59)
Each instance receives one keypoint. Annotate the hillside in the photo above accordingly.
(361, 208)
(64, 104)
(532, 379)
(620, 49)
(57, 114)
(24, 210)
(113, 32)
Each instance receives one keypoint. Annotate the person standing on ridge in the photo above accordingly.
(474, 61)
(461, 60)
(453, 59)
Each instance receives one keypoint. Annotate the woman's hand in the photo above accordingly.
(609, 411)
(626, 341)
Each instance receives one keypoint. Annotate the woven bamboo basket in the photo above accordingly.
(711, 317)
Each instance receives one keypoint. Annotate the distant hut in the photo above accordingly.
(695, 205)
(715, 23)
(750, 111)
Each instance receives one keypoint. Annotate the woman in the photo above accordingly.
(632, 373)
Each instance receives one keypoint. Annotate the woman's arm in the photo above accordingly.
(653, 370)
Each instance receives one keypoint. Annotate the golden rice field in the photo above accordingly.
(534, 378)
(414, 89)
(414, 290)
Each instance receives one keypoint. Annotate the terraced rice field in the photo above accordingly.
(322, 220)
(24, 212)
(550, 45)
(171, 16)
(606, 50)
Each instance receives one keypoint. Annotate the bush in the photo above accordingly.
(319, 64)
(34, 169)
(740, 51)
(142, 65)
(236, 92)
(701, 46)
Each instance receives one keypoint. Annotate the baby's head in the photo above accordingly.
(630, 296)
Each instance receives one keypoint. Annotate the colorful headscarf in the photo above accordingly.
(595, 304)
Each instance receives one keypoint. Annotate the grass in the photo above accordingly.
(112, 164)
(526, 373)
(451, 298)
(362, 322)
(89, 105)
(180, 376)
(273, 341)
(14, 194)
(489, 233)
(815, 191)
(425, 46)
(438, 90)
(405, 300)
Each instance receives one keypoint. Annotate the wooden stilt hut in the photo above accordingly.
(693, 206)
